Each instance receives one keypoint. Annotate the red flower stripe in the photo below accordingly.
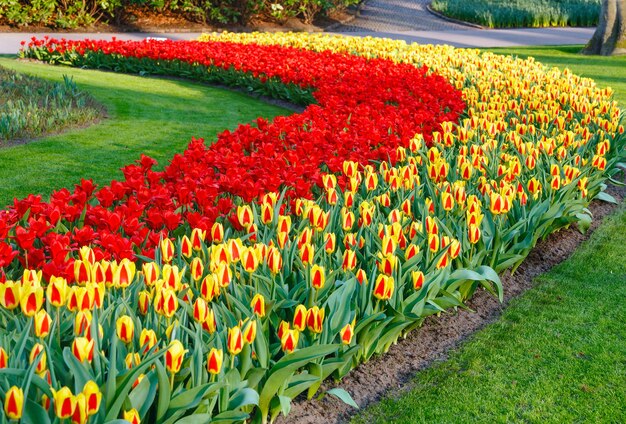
(365, 109)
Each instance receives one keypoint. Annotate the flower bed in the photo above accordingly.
(247, 272)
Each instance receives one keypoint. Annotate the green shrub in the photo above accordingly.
(30, 107)
(522, 13)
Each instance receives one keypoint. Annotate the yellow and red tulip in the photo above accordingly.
(217, 232)
(186, 248)
(299, 317)
(14, 403)
(82, 272)
(215, 358)
(64, 402)
(125, 328)
(174, 356)
(143, 301)
(258, 305)
(4, 358)
(347, 333)
(249, 332)
(56, 292)
(31, 300)
(349, 260)
(35, 352)
(82, 348)
(249, 260)
(318, 276)
(245, 217)
(200, 310)
(42, 323)
(315, 319)
(132, 416)
(234, 340)
(274, 260)
(289, 340)
(384, 287)
(125, 273)
(197, 238)
(147, 339)
(167, 250)
(93, 397)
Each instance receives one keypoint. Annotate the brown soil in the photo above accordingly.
(139, 20)
(393, 371)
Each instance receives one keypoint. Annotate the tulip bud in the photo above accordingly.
(274, 260)
(258, 305)
(93, 397)
(361, 277)
(124, 273)
(174, 356)
(200, 310)
(80, 410)
(214, 361)
(82, 348)
(132, 360)
(433, 242)
(224, 275)
(383, 288)
(132, 416)
(454, 249)
(418, 279)
(299, 317)
(31, 299)
(349, 260)
(209, 287)
(197, 269)
(315, 319)
(42, 323)
(4, 358)
(289, 340)
(245, 216)
(249, 332)
(210, 324)
(346, 333)
(318, 277)
(147, 339)
(387, 264)
(143, 301)
(267, 213)
(443, 261)
(186, 248)
(82, 272)
(125, 328)
(56, 292)
(249, 260)
(234, 340)
(197, 238)
(35, 352)
(170, 303)
(64, 403)
(330, 242)
(284, 224)
(150, 272)
(14, 403)
(167, 250)
(217, 232)
(306, 253)
(172, 276)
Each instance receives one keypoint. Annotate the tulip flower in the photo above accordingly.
(174, 356)
(284, 224)
(274, 260)
(361, 277)
(389, 246)
(82, 348)
(64, 402)
(235, 247)
(315, 319)
(249, 332)
(418, 279)
(217, 233)
(234, 340)
(186, 248)
(124, 274)
(474, 233)
(132, 416)
(267, 213)
(38, 353)
(282, 327)
(200, 310)
(258, 305)
(170, 303)
(249, 260)
(433, 242)
(318, 277)
(346, 333)
(172, 276)
(224, 275)
(387, 264)
(197, 238)
(447, 201)
(132, 360)
(4, 358)
(143, 301)
(282, 238)
(56, 292)
(80, 410)
(384, 287)
(245, 216)
(14, 403)
(215, 358)
(125, 328)
(197, 269)
(306, 252)
(443, 261)
(31, 300)
(151, 273)
(411, 251)
(349, 260)
(330, 242)
(82, 272)
(299, 317)
(147, 339)
(454, 249)
(167, 250)
(93, 397)
(289, 340)
(42, 323)
(209, 287)
(210, 324)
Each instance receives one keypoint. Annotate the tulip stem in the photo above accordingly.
(58, 318)
(172, 382)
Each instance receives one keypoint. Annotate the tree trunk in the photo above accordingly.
(610, 36)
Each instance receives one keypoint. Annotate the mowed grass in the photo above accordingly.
(156, 117)
(558, 353)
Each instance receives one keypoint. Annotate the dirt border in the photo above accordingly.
(392, 373)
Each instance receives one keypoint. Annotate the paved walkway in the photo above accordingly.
(408, 20)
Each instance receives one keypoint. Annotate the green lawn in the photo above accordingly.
(157, 117)
(558, 353)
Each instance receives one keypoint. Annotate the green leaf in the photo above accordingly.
(142, 396)
(606, 197)
(243, 397)
(192, 397)
(195, 419)
(230, 417)
(34, 413)
(164, 391)
(344, 396)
